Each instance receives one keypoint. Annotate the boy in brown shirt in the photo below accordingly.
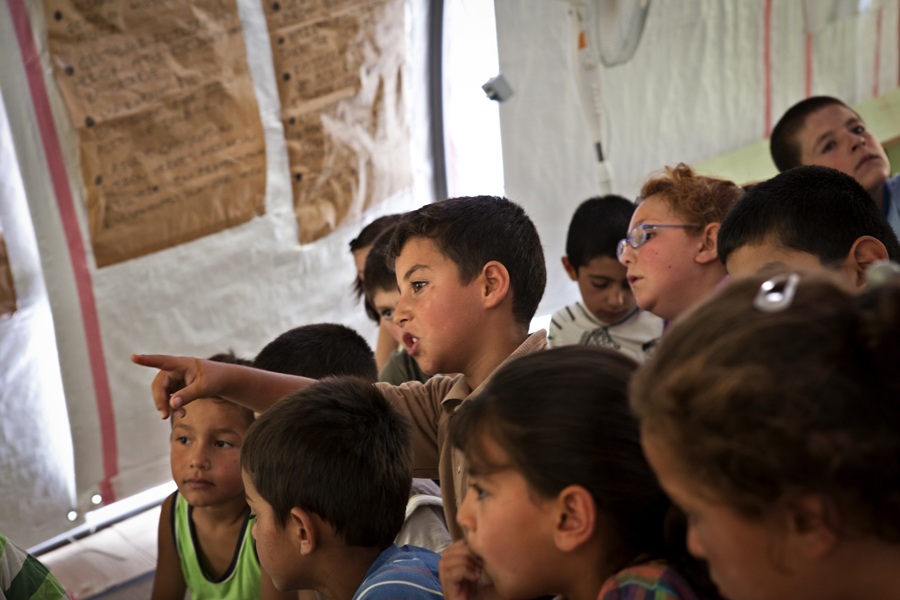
(471, 273)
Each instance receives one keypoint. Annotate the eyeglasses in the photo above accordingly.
(638, 235)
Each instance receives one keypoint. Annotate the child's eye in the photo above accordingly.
(828, 146)
(480, 494)
(418, 285)
(601, 286)
(224, 444)
(182, 440)
(388, 314)
(859, 129)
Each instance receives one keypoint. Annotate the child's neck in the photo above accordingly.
(499, 343)
(344, 569)
(224, 514)
(878, 196)
(702, 286)
(587, 569)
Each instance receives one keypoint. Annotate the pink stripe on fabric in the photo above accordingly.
(767, 64)
(877, 52)
(809, 49)
(62, 191)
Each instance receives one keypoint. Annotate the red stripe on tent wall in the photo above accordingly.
(767, 65)
(60, 181)
(809, 49)
(877, 51)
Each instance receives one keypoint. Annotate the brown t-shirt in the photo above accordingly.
(429, 407)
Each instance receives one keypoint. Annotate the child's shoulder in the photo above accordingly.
(400, 573)
(656, 579)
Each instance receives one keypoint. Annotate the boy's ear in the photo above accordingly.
(864, 251)
(303, 531)
(707, 251)
(576, 518)
(572, 271)
(812, 525)
(494, 283)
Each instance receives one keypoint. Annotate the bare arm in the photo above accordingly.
(183, 379)
(168, 583)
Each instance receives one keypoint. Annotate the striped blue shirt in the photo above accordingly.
(402, 573)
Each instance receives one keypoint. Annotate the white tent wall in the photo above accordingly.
(236, 289)
(36, 458)
(697, 87)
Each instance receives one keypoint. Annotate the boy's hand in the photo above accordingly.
(177, 382)
(460, 572)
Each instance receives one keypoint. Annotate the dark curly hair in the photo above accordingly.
(756, 405)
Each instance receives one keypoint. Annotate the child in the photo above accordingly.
(360, 246)
(770, 415)
(471, 274)
(327, 350)
(670, 249)
(380, 284)
(824, 131)
(317, 351)
(204, 539)
(607, 315)
(806, 219)
(327, 474)
(560, 498)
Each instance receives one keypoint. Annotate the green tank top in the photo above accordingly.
(240, 581)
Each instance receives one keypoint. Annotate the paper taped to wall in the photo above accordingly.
(7, 285)
(339, 67)
(171, 140)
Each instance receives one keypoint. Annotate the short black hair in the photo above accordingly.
(812, 209)
(379, 272)
(474, 230)
(784, 145)
(597, 226)
(318, 351)
(337, 449)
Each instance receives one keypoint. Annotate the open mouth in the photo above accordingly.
(411, 342)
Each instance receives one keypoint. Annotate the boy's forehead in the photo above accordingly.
(213, 413)
(826, 119)
(418, 252)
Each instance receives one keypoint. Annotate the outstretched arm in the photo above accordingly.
(183, 379)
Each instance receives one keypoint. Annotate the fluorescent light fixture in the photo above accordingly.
(130, 505)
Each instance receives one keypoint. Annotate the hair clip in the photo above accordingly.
(777, 293)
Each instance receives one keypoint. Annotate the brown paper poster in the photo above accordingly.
(172, 145)
(338, 64)
(7, 287)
